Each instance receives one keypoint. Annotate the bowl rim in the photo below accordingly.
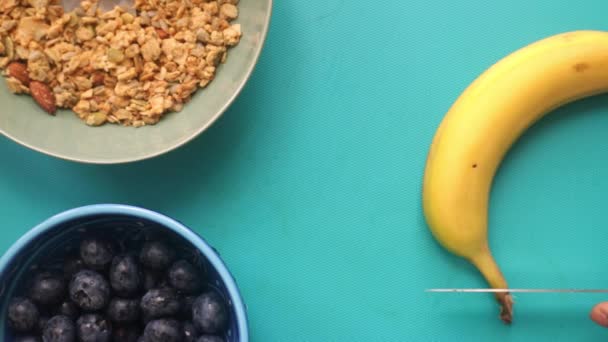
(184, 140)
(170, 223)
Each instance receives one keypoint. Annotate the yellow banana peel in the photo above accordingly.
(482, 125)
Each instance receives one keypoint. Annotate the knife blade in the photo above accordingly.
(471, 290)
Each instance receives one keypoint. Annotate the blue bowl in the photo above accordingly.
(47, 242)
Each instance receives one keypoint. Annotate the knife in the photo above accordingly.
(519, 290)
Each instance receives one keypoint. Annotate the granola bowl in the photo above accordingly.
(123, 96)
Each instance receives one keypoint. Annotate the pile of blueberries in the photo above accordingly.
(107, 294)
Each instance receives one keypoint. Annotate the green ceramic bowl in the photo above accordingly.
(65, 136)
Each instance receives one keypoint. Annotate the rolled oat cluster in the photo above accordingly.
(115, 66)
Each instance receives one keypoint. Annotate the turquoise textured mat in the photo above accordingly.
(309, 186)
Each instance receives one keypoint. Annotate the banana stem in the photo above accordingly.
(489, 269)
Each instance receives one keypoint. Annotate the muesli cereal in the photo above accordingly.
(115, 67)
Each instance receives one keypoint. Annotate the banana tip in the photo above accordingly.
(506, 308)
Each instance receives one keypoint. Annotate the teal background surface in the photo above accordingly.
(309, 186)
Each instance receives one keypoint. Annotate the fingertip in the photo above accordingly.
(599, 314)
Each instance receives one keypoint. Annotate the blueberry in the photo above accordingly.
(163, 330)
(189, 332)
(96, 252)
(125, 333)
(22, 314)
(123, 310)
(47, 288)
(28, 338)
(186, 309)
(125, 275)
(184, 277)
(158, 303)
(156, 255)
(89, 290)
(209, 313)
(59, 329)
(69, 309)
(71, 266)
(209, 338)
(93, 328)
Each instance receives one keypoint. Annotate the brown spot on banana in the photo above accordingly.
(581, 67)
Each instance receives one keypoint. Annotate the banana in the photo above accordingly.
(482, 125)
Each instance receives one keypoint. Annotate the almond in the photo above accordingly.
(98, 79)
(162, 34)
(43, 95)
(19, 71)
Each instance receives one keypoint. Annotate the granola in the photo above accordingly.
(116, 67)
